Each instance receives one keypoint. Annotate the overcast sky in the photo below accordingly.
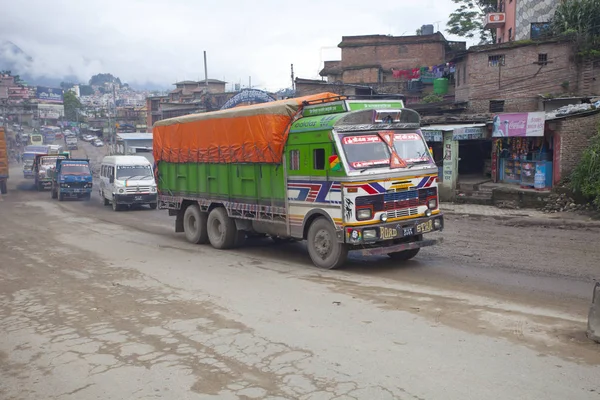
(161, 41)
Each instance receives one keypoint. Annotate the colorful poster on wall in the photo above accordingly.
(519, 125)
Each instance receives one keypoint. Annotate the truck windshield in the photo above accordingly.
(75, 169)
(49, 160)
(369, 151)
(134, 171)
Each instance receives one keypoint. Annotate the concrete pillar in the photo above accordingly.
(450, 168)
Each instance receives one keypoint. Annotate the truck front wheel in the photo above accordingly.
(222, 231)
(3, 189)
(194, 225)
(323, 247)
(404, 255)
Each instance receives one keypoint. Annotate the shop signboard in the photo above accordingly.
(450, 163)
(51, 111)
(519, 125)
(469, 133)
(433, 136)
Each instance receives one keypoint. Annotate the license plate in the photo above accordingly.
(137, 197)
(425, 227)
(408, 231)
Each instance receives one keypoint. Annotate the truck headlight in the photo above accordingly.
(121, 190)
(88, 185)
(432, 204)
(364, 214)
(369, 234)
(64, 185)
(153, 189)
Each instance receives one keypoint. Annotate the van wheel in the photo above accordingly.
(105, 200)
(194, 225)
(323, 247)
(115, 206)
(222, 231)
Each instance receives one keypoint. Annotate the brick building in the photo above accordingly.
(510, 77)
(371, 60)
(305, 87)
(572, 137)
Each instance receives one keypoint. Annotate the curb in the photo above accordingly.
(526, 220)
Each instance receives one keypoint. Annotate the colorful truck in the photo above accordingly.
(3, 161)
(71, 178)
(43, 165)
(344, 175)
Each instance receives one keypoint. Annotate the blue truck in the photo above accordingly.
(72, 177)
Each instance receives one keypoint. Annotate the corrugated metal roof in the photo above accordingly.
(135, 136)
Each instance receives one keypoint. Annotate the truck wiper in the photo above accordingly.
(417, 163)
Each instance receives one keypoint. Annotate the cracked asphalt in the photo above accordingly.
(97, 304)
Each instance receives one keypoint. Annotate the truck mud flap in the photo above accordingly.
(379, 251)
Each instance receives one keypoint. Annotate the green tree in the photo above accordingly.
(585, 179)
(71, 104)
(581, 18)
(86, 90)
(468, 20)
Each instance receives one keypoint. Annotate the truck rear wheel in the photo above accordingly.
(222, 231)
(404, 255)
(54, 194)
(194, 225)
(3, 189)
(61, 197)
(323, 247)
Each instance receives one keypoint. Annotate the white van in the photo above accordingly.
(127, 180)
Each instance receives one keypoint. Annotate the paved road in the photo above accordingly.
(99, 304)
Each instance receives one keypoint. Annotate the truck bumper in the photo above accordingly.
(379, 251)
(76, 192)
(131, 199)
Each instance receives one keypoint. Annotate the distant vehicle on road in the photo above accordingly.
(88, 138)
(97, 143)
(71, 142)
(28, 158)
(127, 180)
(42, 165)
(71, 178)
(3, 161)
(36, 139)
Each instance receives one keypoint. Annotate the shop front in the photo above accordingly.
(522, 151)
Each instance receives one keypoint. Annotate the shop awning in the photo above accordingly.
(459, 132)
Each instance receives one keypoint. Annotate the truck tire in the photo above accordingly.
(54, 194)
(222, 232)
(153, 206)
(323, 247)
(87, 197)
(404, 255)
(194, 225)
(61, 197)
(3, 188)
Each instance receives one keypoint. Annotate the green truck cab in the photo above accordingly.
(352, 176)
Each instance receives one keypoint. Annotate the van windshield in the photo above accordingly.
(369, 151)
(134, 172)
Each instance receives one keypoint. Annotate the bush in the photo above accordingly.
(585, 179)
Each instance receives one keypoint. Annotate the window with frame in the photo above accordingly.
(294, 160)
(496, 60)
(496, 106)
(319, 159)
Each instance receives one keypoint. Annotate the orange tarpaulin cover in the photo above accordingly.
(255, 133)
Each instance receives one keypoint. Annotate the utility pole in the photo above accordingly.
(293, 81)
(114, 136)
(205, 71)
